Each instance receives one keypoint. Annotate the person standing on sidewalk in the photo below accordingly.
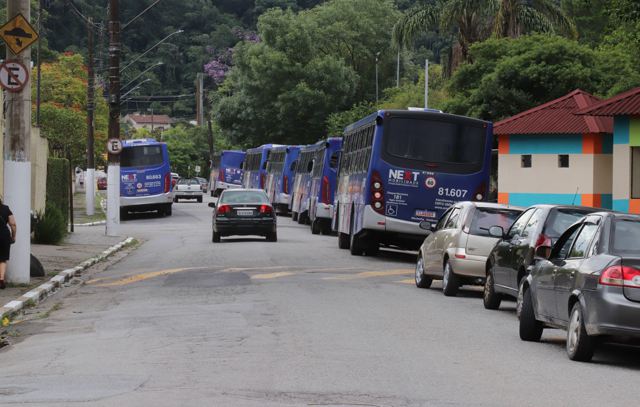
(7, 238)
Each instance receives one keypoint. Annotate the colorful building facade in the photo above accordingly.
(549, 154)
(625, 111)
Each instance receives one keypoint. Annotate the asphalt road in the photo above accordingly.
(184, 322)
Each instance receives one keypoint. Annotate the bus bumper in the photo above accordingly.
(282, 199)
(146, 201)
(377, 222)
(324, 211)
(225, 185)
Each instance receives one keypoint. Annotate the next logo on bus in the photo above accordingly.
(403, 177)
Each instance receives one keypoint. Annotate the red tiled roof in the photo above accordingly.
(557, 117)
(148, 119)
(624, 104)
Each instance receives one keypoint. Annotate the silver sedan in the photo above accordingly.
(457, 249)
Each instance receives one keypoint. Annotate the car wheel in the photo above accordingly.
(175, 199)
(215, 238)
(316, 227)
(200, 199)
(450, 281)
(490, 298)
(272, 237)
(580, 346)
(294, 216)
(530, 327)
(422, 280)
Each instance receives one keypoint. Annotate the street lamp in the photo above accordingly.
(134, 88)
(142, 73)
(377, 57)
(150, 49)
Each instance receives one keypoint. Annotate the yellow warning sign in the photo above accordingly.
(18, 34)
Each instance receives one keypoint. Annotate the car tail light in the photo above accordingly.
(221, 175)
(223, 210)
(377, 193)
(621, 276)
(480, 192)
(266, 209)
(262, 177)
(167, 182)
(285, 184)
(543, 240)
(325, 192)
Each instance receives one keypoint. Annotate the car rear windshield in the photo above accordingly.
(560, 219)
(625, 237)
(454, 146)
(188, 181)
(141, 156)
(238, 197)
(484, 218)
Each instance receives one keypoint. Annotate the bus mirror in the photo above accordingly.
(426, 225)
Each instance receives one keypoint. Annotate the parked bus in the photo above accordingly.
(280, 174)
(145, 177)
(400, 168)
(323, 185)
(302, 182)
(226, 171)
(255, 166)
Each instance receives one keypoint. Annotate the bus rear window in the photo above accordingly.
(141, 156)
(484, 218)
(457, 147)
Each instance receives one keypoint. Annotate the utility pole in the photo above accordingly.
(113, 171)
(398, 71)
(17, 157)
(426, 84)
(39, 63)
(90, 181)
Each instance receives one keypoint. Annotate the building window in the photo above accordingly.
(635, 172)
(525, 161)
(563, 160)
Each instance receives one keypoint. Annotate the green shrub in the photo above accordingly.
(58, 185)
(50, 226)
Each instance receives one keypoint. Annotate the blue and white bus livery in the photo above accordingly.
(323, 185)
(226, 171)
(280, 176)
(145, 177)
(399, 168)
(255, 166)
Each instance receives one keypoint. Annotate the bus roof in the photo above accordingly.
(263, 147)
(409, 113)
(232, 152)
(140, 141)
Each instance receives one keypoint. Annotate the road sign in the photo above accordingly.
(197, 168)
(18, 34)
(13, 76)
(114, 146)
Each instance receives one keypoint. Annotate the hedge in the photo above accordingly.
(58, 185)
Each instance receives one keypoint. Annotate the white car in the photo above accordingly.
(188, 188)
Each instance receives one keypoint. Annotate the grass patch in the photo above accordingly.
(47, 314)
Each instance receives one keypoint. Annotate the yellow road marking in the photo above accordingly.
(407, 281)
(271, 275)
(369, 274)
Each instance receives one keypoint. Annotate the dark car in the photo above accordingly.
(588, 284)
(243, 212)
(539, 225)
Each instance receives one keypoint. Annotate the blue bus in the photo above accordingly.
(323, 185)
(400, 168)
(226, 171)
(302, 182)
(145, 177)
(255, 166)
(280, 175)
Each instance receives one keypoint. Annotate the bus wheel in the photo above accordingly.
(294, 216)
(168, 210)
(355, 243)
(302, 218)
(372, 249)
(316, 226)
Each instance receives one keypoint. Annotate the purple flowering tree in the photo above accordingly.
(218, 67)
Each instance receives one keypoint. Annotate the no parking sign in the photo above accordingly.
(13, 76)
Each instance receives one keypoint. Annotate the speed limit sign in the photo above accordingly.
(114, 146)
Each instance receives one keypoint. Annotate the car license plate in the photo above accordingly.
(245, 213)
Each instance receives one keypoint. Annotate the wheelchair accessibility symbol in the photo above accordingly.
(392, 210)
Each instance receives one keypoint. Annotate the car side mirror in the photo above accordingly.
(543, 252)
(496, 231)
(426, 225)
(211, 204)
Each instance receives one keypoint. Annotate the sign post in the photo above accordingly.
(113, 170)
(14, 76)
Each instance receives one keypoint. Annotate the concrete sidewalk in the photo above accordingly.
(83, 244)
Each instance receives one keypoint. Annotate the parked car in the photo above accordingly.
(243, 212)
(102, 184)
(188, 188)
(457, 250)
(204, 184)
(539, 225)
(587, 284)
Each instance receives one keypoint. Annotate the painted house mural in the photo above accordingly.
(549, 154)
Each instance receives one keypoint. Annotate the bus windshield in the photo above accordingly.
(448, 146)
(141, 156)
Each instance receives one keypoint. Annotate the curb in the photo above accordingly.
(98, 223)
(41, 292)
